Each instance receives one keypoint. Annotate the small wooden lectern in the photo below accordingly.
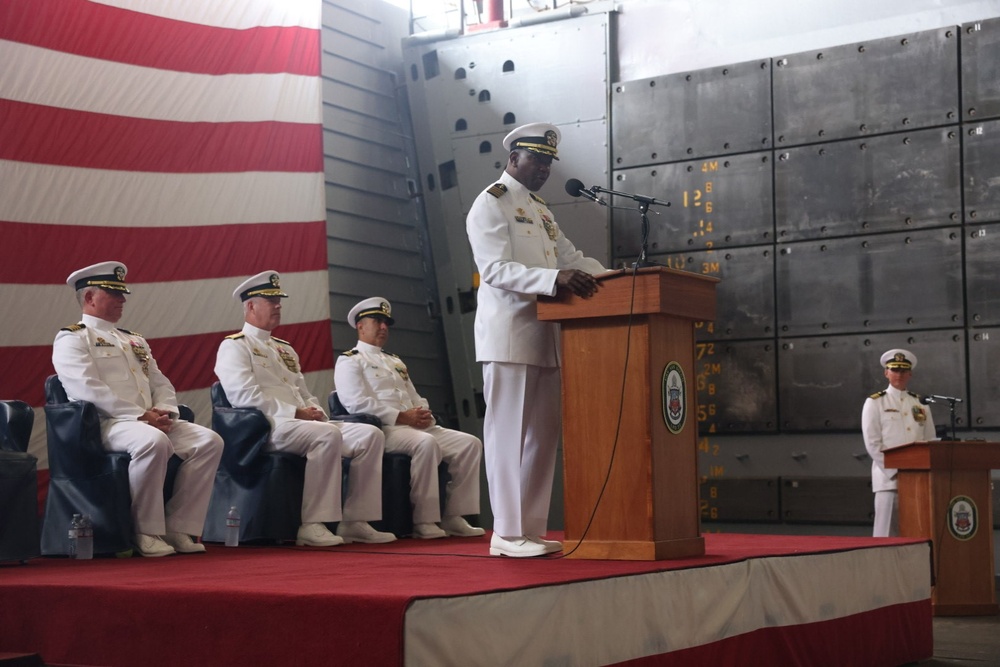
(649, 509)
(944, 495)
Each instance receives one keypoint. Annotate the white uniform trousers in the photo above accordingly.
(886, 514)
(520, 437)
(323, 444)
(150, 449)
(427, 448)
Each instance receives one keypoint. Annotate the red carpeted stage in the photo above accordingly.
(751, 600)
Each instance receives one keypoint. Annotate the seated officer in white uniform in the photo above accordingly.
(259, 371)
(376, 382)
(115, 370)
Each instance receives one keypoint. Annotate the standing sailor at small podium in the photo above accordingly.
(891, 418)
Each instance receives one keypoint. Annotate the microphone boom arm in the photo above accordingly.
(642, 199)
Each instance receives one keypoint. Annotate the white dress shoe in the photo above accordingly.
(152, 546)
(428, 531)
(459, 527)
(551, 546)
(361, 531)
(316, 535)
(515, 547)
(183, 543)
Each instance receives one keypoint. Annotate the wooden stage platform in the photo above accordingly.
(751, 600)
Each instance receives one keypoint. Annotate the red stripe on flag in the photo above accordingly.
(109, 33)
(160, 254)
(50, 135)
(23, 371)
(188, 361)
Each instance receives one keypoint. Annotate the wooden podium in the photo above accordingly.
(649, 509)
(944, 495)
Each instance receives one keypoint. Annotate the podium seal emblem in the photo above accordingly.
(963, 518)
(673, 394)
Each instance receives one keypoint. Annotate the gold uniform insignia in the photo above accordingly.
(287, 357)
(402, 373)
(142, 355)
(75, 327)
(100, 342)
(235, 336)
(349, 353)
(537, 198)
(497, 190)
(919, 415)
(550, 227)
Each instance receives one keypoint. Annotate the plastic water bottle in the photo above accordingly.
(74, 532)
(233, 527)
(85, 539)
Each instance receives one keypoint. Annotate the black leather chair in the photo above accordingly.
(266, 487)
(18, 483)
(85, 478)
(397, 511)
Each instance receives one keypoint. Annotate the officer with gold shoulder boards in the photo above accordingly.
(115, 370)
(373, 381)
(520, 252)
(891, 418)
(257, 370)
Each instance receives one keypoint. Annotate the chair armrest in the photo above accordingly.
(185, 413)
(244, 432)
(358, 418)
(74, 439)
(16, 420)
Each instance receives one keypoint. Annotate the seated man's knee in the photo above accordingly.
(152, 442)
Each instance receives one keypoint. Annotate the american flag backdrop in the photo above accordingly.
(181, 137)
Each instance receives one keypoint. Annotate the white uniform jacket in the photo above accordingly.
(375, 382)
(889, 419)
(111, 368)
(518, 249)
(259, 371)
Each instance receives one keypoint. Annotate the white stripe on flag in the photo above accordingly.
(98, 197)
(69, 81)
(242, 15)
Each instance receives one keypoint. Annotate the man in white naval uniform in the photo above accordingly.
(115, 370)
(520, 253)
(373, 381)
(259, 371)
(891, 418)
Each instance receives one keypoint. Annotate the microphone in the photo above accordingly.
(933, 398)
(575, 188)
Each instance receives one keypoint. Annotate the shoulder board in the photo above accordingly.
(349, 353)
(537, 198)
(395, 356)
(278, 340)
(878, 395)
(235, 336)
(497, 189)
(74, 327)
(916, 396)
(130, 333)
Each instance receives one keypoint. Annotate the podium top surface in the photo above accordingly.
(656, 289)
(945, 455)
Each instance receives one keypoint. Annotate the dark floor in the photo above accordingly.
(965, 641)
(959, 641)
